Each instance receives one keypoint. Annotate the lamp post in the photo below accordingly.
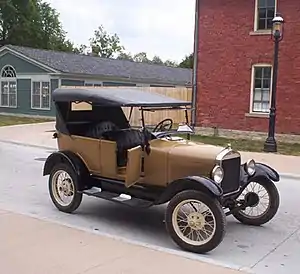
(277, 35)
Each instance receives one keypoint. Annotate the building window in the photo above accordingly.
(8, 87)
(40, 95)
(92, 84)
(9, 94)
(261, 88)
(265, 12)
(8, 72)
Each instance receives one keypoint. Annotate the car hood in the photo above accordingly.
(187, 158)
(195, 152)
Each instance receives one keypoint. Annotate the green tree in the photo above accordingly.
(104, 44)
(170, 63)
(125, 56)
(157, 60)
(32, 23)
(141, 57)
(52, 34)
(187, 62)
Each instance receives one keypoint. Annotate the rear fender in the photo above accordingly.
(202, 184)
(65, 157)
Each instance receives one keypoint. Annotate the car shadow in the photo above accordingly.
(138, 220)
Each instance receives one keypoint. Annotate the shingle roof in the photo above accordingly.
(90, 65)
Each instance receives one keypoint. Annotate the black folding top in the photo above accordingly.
(126, 97)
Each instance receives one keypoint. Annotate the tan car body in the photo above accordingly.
(170, 159)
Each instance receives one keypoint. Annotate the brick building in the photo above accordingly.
(234, 65)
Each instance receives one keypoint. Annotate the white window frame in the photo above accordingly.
(93, 83)
(256, 18)
(253, 85)
(9, 79)
(41, 81)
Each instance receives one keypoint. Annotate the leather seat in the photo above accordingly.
(125, 139)
(97, 131)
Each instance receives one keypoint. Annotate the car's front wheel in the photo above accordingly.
(63, 188)
(195, 221)
(264, 198)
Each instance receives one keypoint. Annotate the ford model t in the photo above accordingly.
(100, 154)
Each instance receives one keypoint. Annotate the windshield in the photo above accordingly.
(160, 119)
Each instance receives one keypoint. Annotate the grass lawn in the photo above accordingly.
(7, 120)
(248, 145)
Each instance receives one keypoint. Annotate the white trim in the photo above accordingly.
(4, 67)
(142, 85)
(255, 25)
(8, 79)
(31, 101)
(59, 82)
(92, 82)
(35, 77)
(26, 58)
(252, 86)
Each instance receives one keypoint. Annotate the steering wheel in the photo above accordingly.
(164, 125)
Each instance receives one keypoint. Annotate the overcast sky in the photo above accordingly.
(161, 27)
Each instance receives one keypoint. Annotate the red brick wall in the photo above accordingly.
(226, 53)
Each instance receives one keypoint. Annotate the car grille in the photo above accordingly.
(231, 180)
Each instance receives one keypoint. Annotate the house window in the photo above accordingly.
(92, 84)
(40, 95)
(261, 88)
(8, 72)
(265, 13)
(8, 87)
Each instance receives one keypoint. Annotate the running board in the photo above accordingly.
(119, 198)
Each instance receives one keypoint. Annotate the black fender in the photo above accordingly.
(66, 157)
(203, 184)
(262, 172)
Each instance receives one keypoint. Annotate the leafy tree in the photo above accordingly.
(52, 33)
(187, 62)
(141, 57)
(80, 50)
(32, 23)
(157, 60)
(17, 19)
(170, 63)
(125, 56)
(104, 44)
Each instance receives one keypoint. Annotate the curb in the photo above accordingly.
(292, 176)
(28, 145)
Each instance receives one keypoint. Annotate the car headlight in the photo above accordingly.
(218, 174)
(250, 167)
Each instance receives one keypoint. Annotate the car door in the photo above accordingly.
(134, 165)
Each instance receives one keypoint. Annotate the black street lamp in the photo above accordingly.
(277, 35)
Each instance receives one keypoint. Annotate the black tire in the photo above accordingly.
(77, 196)
(271, 211)
(218, 213)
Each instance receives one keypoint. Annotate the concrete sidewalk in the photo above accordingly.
(41, 135)
(32, 246)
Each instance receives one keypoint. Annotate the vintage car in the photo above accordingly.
(100, 154)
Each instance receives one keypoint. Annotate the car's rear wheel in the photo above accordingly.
(195, 221)
(63, 188)
(265, 203)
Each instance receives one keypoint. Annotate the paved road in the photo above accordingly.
(274, 248)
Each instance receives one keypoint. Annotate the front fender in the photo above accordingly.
(262, 171)
(203, 184)
(65, 157)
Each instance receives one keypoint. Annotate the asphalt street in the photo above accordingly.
(273, 248)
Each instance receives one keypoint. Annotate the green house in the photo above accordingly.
(28, 76)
